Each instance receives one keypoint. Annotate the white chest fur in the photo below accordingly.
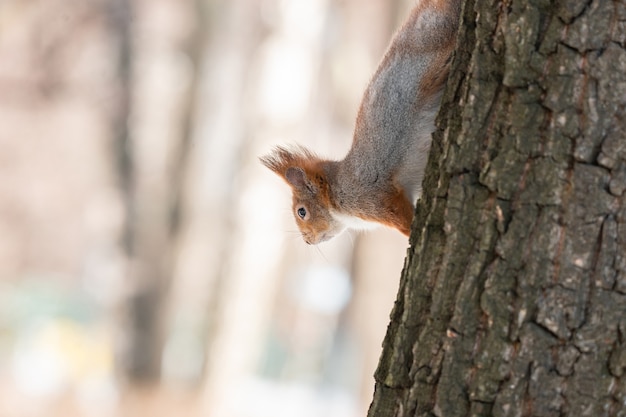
(353, 222)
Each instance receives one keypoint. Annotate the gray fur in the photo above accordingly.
(393, 132)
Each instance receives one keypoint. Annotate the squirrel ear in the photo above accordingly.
(297, 177)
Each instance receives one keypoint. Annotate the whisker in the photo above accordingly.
(319, 250)
(351, 237)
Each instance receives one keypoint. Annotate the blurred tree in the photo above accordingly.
(151, 164)
(119, 13)
(513, 298)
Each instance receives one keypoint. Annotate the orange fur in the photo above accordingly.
(283, 158)
(396, 213)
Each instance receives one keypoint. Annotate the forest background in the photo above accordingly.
(148, 262)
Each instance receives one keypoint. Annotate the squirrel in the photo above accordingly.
(380, 178)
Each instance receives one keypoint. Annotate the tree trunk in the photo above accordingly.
(151, 149)
(512, 301)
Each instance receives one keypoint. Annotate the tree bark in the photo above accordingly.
(512, 301)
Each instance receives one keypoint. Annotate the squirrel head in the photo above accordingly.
(308, 177)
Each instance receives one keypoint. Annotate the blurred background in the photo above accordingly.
(149, 265)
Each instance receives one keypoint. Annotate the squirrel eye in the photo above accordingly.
(301, 212)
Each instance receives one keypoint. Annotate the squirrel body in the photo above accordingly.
(379, 180)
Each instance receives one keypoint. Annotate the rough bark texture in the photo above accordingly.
(513, 297)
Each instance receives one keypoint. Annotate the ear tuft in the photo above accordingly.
(272, 161)
(280, 159)
(293, 165)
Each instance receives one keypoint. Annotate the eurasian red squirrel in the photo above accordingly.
(380, 178)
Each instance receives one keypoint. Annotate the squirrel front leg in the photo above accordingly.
(396, 211)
